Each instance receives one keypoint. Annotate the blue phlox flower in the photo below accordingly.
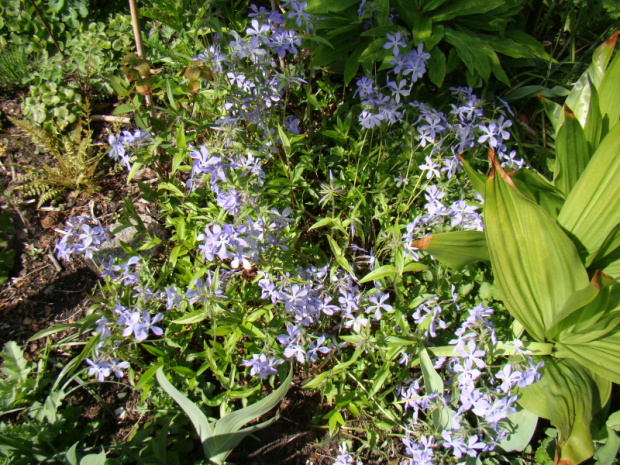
(172, 297)
(134, 325)
(230, 200)
(394, 42)
(451, 441)
(370, 120)
(117, 367)
(355, 322)
(344, 458)
(292, 124)
(293, 336)
(149, 324)
(117, 149)
(509, 378)
(99, 369)
(102, 328)
(262, 366)
(315, 348)
(421, 452)
(378, 301)
(430, 167)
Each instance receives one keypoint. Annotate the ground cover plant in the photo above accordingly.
(377, 233)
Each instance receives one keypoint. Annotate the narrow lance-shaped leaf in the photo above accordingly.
(455, 249)
(477, 179)
(536, 266)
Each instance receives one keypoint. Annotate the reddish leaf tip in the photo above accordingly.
(611, 42)
(496, 166)
(422, 244)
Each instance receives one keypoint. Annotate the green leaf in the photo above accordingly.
(478, 180)
(592, 209)
(608, 452)
(536, 266)
(437, 67)
(198, 419)
(599, 354)
(568, 395)
(14, 366)
(385, 271)
(456, 249)
(594, 123)
(609, 96)
(536, 188)
(607, 258)
(442, 415)
(227, 433)
(521, 427)
(572, 155)
(193, 317)
(94, 459)
(554, 112)
(123, 109)
(460, 8)
(352, 64)
(583, 309)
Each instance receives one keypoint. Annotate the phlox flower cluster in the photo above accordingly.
(126, 143)
(479, 400)
(250, 66)
(243, 243)
(386, 104)
(82, 235)
(314, 300)
(130, 323)
(460, 215)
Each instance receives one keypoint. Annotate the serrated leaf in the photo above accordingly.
(14, 366)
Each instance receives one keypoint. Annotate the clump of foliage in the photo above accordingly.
(14, 67)
(74, 167)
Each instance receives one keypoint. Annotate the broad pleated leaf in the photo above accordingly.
(592, 208)
(456, 249)
(609, 95)
(536, 188)
(572, 154)
(594, 124)
(601, 355)
(568, 394)
(583, 309)
(579, 98)
(536, 266)
(607, 258)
